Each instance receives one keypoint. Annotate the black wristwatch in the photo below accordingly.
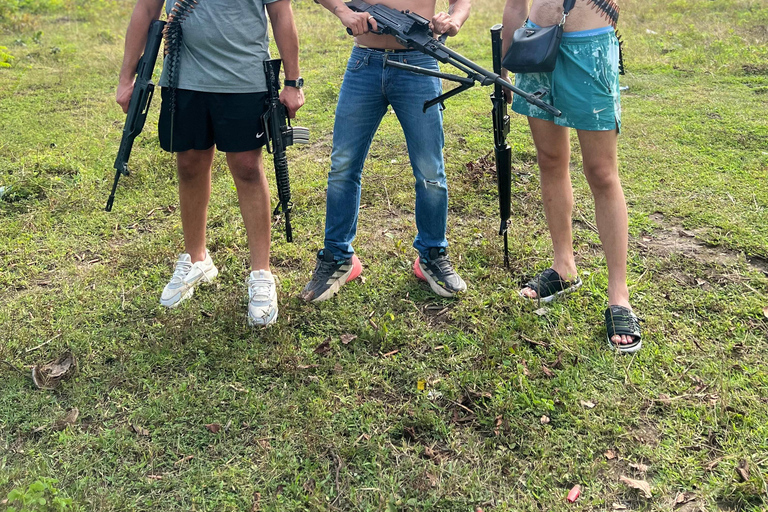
(294, 83)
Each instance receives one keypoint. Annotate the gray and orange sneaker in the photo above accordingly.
(330, 274)
(439, 273)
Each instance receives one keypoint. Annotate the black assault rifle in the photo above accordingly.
(138, 107)
(280, 134)
(412, 31)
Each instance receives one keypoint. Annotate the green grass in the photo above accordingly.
(349, 429)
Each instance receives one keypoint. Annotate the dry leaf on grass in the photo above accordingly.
(640, 485)
(765, 311)
(640, 468)
(256, 502)
(743, 469)
(587, 404)
(213, 427)
(610, 454)
(346, 338)
(69, 419)
(140, 430)
(324, 347)
(619, 506)
(684, 497)
(50, 375)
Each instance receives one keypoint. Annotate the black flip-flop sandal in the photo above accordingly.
(549, 285)
(622, 321)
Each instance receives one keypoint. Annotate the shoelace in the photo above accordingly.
(323, 270)
(182, 269)
(444, 264)
(260, 289)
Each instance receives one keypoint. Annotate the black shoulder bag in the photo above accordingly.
(535, 49)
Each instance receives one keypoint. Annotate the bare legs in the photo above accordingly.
(599, 150)
(194, 171)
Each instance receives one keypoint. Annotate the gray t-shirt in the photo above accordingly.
(223, 46)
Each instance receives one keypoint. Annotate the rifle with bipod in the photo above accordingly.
(412, 31)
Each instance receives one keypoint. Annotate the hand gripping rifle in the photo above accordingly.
(138, 107)
(280, 135)
(413, 32)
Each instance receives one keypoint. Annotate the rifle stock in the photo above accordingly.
(138, 107)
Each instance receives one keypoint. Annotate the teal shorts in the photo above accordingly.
(584, 85)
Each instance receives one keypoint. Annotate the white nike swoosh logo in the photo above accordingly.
(595, 111)
(259, 134)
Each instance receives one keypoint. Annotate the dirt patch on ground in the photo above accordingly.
(672, 238)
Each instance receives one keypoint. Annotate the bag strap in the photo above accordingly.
(567, 6)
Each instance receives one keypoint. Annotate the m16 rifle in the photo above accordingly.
(143, 90)
(412, 31)
(280, 134)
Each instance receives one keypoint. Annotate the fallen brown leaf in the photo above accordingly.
(213, 428)
(587, 404)
(610, 454)
(324, 347)
(765, 311)
(139, 430)
(346, 338)
(743, 469)
(69, 419)
(549, 373)
(640, 485)
(684, 497)
(50, 375)
(640, 468)
(155, 477)
(619, 506)
(256, 502)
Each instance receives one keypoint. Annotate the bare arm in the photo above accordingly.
(357, 22)
(287, 41)
(451, 22)
(144, 13)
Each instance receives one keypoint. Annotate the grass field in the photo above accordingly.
(439, 405)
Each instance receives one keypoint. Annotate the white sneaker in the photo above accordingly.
(262, 298)
(186, 276)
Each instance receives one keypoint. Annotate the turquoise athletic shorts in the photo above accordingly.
(584, 85)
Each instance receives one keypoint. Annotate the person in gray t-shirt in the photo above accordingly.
(214, 100)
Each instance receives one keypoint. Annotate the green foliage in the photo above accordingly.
(5, 57)
(480, 401)
(39, 496)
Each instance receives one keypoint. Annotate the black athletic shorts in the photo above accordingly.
(231, 121)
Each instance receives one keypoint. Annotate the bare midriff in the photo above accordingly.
(425, 8)
(583, 16)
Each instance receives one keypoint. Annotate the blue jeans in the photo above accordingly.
(368, 88)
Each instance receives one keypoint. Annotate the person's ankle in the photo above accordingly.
(619, 297)
(566, 270)
(198, 256)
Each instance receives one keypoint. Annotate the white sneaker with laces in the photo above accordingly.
(186, 276)
(262, 298)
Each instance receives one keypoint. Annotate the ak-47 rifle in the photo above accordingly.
(412, 31)
(138, 107)
(280, 134)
